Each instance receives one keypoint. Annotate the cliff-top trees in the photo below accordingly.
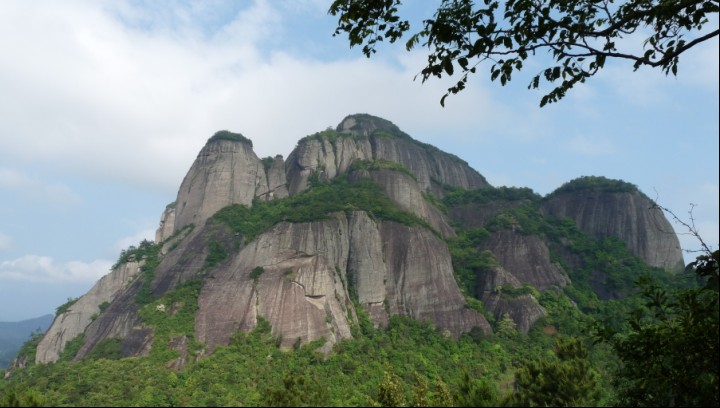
(579, 35)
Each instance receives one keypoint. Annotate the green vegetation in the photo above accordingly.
(149, 254)
(374, 165)
(595, 183)
(253, 371)
(257, 272)
(671, 352)
(226, 135)
(563, 380)
(65, 306)
(461, 36)
(485, 195)
(314, 204)
(216, 254)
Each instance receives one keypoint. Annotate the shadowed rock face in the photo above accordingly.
(525, 310)
(628, 216)
(526, 258)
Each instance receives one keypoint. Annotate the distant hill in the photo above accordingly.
(14, 334)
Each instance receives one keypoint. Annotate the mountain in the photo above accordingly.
(14, 334)
(361, 220)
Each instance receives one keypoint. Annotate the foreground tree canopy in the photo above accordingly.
(579, 35)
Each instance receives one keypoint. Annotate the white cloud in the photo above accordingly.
(134, 240)
(56, 195)
(5, 242)
(43, 269)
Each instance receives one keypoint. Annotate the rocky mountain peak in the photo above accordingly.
(365, 125)
(354, 219)
(229, 136)
(605, 208)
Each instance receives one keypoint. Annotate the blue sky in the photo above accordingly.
(104, 105)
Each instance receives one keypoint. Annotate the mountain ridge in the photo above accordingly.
(374, 236)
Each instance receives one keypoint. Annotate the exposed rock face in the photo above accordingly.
(628, 216)
(167, 224)
(303, 277)
(365, 137)
(225, 172)
(276, 182)
(523, 309)
(308, 268)
(78, 317)
(527, 258)
(405, 191)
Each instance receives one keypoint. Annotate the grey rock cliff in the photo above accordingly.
(365, 137)
(225, 172)
(405, 191)
(167, 224)
(629, 216)
(309, 270)
(79, 316)
(526, 258)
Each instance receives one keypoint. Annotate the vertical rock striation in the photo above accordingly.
(627, 215)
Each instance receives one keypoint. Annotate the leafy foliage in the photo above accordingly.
(578, 35)
(216, 254)
(486, 195)
(596, 183)
(227, 135)
(66, 306)
(671, 353)
(564, 381)
(315, 204)
(374, 165)
(149, 253)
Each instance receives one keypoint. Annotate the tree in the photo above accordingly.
(564, 381)
(579, 35)
(670, 356)
(671, 353)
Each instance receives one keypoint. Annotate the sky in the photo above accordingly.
(104, 106)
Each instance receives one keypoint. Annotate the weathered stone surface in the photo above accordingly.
(420, 281)
(307, 269)
(276, 180)
(319, 155)
(476, 215)
(524, 309)
(404, 191)
(629, 216)
(527, 258)
(167, 224)
(79, 316)
(365, 137)
(225, 172)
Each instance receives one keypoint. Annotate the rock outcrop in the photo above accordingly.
(365, 137)
(80, 315)
(527, 259)
(405, 192)
(627, 215)
(307, 278)
(226, 171)
(495, 289)
(305, 273)
(167, 224)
